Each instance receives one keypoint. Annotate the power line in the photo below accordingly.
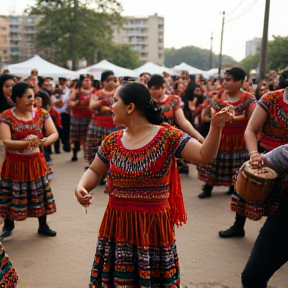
(241, 2)
(243, 13)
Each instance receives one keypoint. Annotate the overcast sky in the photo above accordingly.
(191, 22)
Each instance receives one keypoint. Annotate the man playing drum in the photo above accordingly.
(270, 250)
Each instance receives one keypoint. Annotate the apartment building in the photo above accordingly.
(4, 39)
(20, 33)
(145, 35)
(253, 46)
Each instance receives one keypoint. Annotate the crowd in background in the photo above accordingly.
(82, 117)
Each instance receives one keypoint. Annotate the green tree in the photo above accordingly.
(75, 29)
(250, 62)
(196, 57)
(121, 55)
(277, 56)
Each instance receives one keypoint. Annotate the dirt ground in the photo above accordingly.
(65, 261)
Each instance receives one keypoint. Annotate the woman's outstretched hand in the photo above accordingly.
(222, 117)
(83, 197)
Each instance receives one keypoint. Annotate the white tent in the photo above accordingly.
(152, 68)
(185, 67)
(44, 68)
(104, 65)
(212, 73)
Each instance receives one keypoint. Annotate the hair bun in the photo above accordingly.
(153, 105)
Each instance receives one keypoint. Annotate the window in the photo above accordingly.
(14, 49)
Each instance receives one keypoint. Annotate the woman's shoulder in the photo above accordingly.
(169, 131)
(7, 116)
(273, 95)
(112, 138)
(7, 113)
(247, 95)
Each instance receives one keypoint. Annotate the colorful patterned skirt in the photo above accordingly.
(230, 157)
(135, 249)
(95, 136)
(8, 276)
(24, 187)
(78, 129)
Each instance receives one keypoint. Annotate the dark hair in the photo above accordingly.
(46, 100)
(283, 80)
(106, 74)
(156, 80)
(138, 94)
(19, 90)
(4, 103)
(237, 73)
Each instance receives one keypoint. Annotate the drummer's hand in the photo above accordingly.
(222, 117)
(83, 197)
(257, 161)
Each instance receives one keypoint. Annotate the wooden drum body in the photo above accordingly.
(253, 185)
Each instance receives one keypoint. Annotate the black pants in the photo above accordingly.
(270, 250)
(65, 131)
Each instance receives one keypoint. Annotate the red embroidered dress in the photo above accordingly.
(232, 151)
(136, 243)
(80, 117)
(99, 127)
(8, 275)
(25, 191)
(275, 130)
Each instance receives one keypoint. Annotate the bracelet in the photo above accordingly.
(253, 152)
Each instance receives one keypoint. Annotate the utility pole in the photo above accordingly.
(211, 50)
(221, 44)
(262, 69)
(74, 55)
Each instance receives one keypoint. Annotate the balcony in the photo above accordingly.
(14, 30)
(14, 37)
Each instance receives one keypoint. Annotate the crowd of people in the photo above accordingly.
(137, 135)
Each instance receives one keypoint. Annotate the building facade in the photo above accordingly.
(17, 37)
(4, 39)
(253, 46)
(145, 36)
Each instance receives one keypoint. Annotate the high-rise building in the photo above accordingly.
(4, 38)
(253, 46)
(17, 37)
(145, 35)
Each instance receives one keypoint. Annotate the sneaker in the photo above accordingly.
(6, 233)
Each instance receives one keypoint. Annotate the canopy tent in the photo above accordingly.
(44, 68)
(104, 65)
(212, 73)
(185, 67)
(152, 68)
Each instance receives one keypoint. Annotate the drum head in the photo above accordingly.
(263, 174)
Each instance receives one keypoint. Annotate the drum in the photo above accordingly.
(255, 185)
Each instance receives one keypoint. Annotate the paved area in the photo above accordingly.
(64, 262)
